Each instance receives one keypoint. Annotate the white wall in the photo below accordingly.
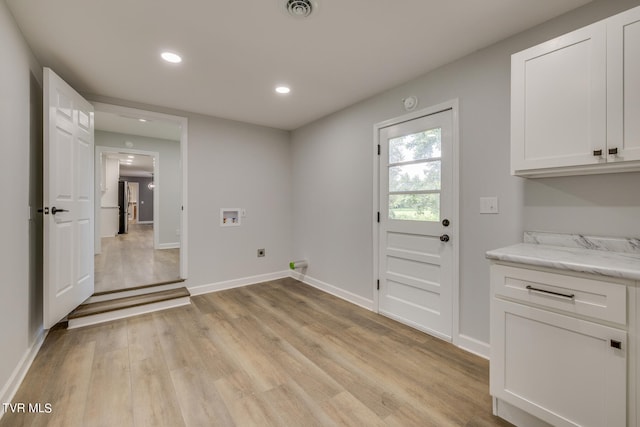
(170, 188)
(20, 173)
(333, 169)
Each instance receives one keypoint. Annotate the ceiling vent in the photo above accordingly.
(300, 8)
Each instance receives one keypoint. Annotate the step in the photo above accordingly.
(119, 308)
(136, 290)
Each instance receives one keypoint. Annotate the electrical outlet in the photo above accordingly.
(261, 253)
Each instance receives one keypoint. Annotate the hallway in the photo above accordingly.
(129, 260)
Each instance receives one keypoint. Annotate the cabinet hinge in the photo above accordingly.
(379, 149)
(378, 284)
(378, 216)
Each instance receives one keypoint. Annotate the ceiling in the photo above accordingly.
(133, 125)
(236, 52)
(133, 164)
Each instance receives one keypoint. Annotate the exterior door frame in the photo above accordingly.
(455, 189)
(183, 123)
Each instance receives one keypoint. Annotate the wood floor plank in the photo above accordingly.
(155, 401)
(130, 260)
(109, 398)
(278, 353)
(201, 403)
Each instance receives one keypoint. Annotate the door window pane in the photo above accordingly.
(416, 146)
(415, 177)
(414, 207)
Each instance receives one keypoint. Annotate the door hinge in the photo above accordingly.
(378, 216)
(379, 149)
(378, 284)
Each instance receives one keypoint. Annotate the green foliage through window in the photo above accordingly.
(415, 168)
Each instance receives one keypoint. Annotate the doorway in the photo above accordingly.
(140, 233)
(416, 231)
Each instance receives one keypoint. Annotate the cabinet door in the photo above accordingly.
(623, 74)
(558, 101)
(563, 370)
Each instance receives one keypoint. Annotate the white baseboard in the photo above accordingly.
(472, 345)
(333, 290)
(9, 390)
(236, 283)
(175, 245)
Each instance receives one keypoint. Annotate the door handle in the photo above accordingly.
(444, 238)
(55, 210)
(445, 222)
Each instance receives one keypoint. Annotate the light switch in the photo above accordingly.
(488, 205)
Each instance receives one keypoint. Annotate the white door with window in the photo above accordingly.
(68, 199)
(415, 229)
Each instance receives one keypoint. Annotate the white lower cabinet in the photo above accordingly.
(552, 362)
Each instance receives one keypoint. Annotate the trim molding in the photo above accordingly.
(334, 290)
(236, 283)
(472, 345)
(9, 389)
(174, 245)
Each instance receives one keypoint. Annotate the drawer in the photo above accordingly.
(582, 296)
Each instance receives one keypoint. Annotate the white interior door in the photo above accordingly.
(68, 199)
(415, 242)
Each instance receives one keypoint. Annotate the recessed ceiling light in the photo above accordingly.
(142, 120)
(131, 157)
(174, 58)
(283, 89)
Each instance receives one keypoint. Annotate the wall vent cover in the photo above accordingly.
(299, 8)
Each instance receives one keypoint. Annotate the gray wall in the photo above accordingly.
(333, 171)
(169, 189)
(236, 165)
(21, 177)
(145, 197)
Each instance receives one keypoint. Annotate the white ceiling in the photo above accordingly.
(235, 52)
(133, 164)
(131, 125)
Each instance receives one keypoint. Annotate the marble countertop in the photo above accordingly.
(611, 257)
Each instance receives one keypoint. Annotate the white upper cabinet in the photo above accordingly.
(623, 85)
(574, 100)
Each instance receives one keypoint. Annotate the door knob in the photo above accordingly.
(445, 222)
(444, 238)
(55, 210)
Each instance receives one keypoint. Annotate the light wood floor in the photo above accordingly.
(129, 260)
(274, 354)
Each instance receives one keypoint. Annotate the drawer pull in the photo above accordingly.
(544, 291)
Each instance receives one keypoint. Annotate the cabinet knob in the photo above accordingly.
(613, 151)
(597, 153)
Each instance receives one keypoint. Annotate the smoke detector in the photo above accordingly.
(300, 8)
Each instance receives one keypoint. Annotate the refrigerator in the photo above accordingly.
(123, 207)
